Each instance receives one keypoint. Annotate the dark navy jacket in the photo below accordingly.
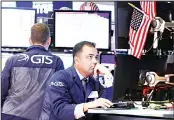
(64, 91)
(23, 81)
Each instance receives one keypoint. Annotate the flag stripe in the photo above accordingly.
(130, 35)
(149, 8)
(144, 36)
(141, 36)
(92, 6)
(144, 40)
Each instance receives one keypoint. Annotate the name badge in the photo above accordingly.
(93, 94)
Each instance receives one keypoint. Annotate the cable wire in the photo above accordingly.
(153, 43)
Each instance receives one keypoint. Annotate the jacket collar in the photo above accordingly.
(38, 47)
(75, 74)
(90, 84)
(81, 76)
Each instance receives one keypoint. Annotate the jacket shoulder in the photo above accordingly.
(65, 75)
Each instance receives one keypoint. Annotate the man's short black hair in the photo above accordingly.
(78, 47)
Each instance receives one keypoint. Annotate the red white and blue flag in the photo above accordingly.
(139, 27)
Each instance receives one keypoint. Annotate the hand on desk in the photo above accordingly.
(100, 102)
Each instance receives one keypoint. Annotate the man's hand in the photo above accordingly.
(100, 69)
(101, 102)
(108, 78)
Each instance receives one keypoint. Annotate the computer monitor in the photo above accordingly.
(16, 26)
(127, 71)
(67, 58)
(73, 26)
(108, 60)
(125, 76)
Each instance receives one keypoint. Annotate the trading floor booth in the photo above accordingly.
(84, 25)
(126, 89)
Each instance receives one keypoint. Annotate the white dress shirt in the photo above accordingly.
(78, 112)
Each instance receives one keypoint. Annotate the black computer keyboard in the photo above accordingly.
(126, 105)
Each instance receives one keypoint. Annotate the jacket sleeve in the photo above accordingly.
(5, 80)
(60, 97)
(60, 65)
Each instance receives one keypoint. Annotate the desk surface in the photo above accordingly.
(135, 112)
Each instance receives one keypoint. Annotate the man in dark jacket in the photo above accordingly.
(67, 96)
(25, 75)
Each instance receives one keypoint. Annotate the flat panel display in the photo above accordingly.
(16, 25)
(73, 26)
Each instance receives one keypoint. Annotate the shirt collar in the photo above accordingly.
(36, 47)
(81, 76)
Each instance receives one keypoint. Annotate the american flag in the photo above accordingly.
(138, 32)
(149, 8)
(89, 6)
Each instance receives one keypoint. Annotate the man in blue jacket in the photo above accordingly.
(25, 75)
(67, 97)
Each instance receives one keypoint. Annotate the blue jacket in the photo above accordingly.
(23, 81)
(64, 91)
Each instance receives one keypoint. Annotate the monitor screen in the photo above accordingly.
(108, 60)
(16, 26)
(66, 58)
(127, 71)
(73, 26)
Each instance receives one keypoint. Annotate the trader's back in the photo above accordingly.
(25, 75)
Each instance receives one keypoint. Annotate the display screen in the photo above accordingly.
(108, 60)
(66, 58)
(74, 26)
(16, 26)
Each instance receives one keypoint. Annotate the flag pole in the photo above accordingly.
(137, 9)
